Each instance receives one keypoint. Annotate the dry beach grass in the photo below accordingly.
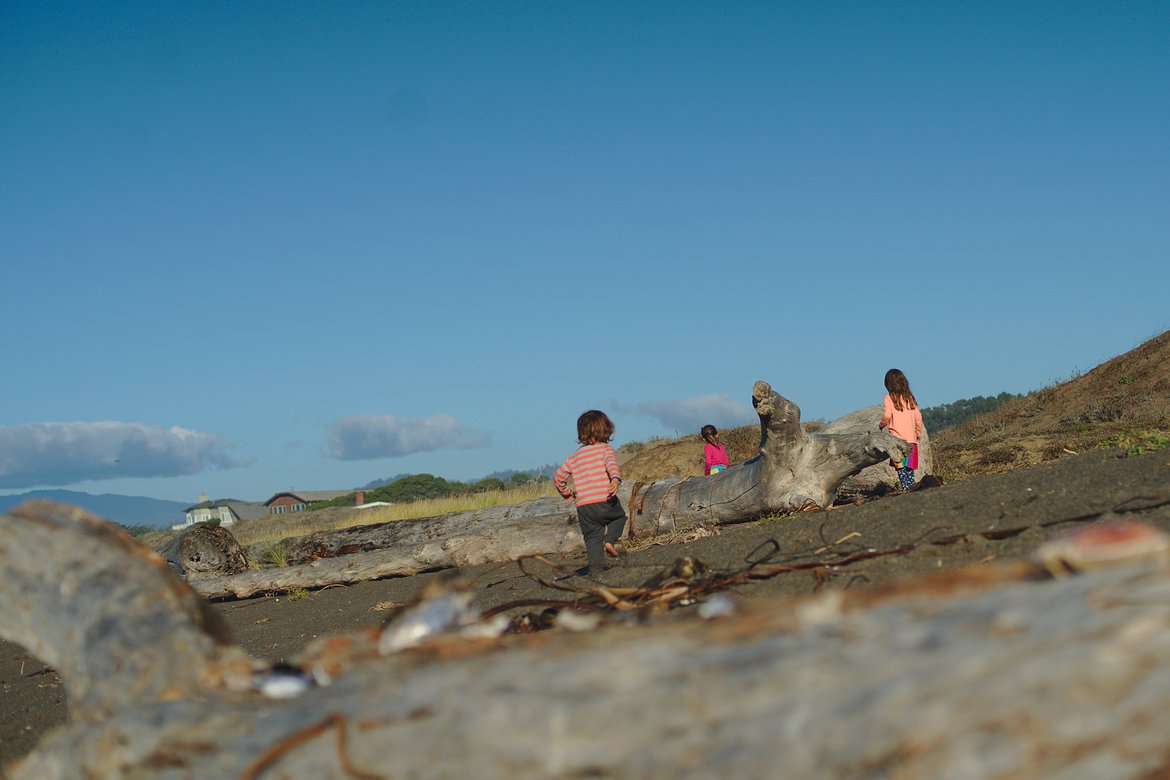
(1085, 451)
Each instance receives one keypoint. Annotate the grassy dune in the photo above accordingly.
(273, 529)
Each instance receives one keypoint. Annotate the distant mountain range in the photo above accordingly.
(158, 513)
(124, 510)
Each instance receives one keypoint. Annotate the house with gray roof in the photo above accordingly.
(298, 501)
(228, 511)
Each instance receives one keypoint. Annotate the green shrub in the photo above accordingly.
(276, 552)
(1138, 443)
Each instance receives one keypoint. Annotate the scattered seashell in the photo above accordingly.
(431, 616)
(825, 609)
(486, 629)
(572, 620)
(1105, 544)
(719, 605)
(284, 682)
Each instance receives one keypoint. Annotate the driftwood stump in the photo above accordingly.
(989, 673)
(209, 550)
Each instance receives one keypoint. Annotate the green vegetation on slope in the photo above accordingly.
(958, 412)
(418, 487)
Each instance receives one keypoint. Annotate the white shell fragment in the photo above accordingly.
(1106, 544)
(284, 682)
(573, 620)
(719, 605)
(447, 608)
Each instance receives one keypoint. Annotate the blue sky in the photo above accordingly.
(254, 246)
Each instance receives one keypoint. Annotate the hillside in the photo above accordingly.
(1124, 401)
(683, 457)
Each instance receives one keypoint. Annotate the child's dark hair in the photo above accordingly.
(898, 386)
(709, 433)
(594, 427)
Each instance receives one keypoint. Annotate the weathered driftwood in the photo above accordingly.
(206, 550)
(868, 480)
(982, 674)
(86, 599)
(794, 471)
(407, 547)
(459, 538)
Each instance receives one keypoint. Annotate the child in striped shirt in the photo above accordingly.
(596, 477)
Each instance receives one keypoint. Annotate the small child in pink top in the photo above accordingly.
(596, 478)
(714, 453)
(901, 414)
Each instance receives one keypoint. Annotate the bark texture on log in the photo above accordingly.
(207, 550)
(982, 674)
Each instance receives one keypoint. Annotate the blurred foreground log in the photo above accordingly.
(102, 610)
(986, 673)
(794, 471)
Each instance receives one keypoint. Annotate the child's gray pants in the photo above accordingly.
(600, 523)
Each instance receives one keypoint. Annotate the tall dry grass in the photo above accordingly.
(273, 529)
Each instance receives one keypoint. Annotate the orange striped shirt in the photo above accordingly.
(592, 467)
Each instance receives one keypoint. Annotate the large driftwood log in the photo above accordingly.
(794, 471)
(976, 675)
(407, 547)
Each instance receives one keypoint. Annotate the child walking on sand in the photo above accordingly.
(714, 453)
(596, 477)
(901, 414)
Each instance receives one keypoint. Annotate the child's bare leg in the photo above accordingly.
(613, 533)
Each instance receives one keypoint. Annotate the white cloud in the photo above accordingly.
(365, 437)
(690, 414)
(64, 453)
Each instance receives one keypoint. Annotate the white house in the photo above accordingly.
(228, 511)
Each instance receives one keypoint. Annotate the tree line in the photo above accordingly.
(414, 487)
(958, 412)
